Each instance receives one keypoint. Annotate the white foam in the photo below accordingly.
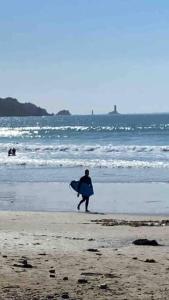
(33, 130)
(90, 148)
(92, 163)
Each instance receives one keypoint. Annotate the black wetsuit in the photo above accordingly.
(87, 180)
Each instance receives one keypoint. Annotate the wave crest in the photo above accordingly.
(22, 147)
(47, 130)
(93, 163)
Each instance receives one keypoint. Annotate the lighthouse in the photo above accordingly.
(115, 109)
(114, 112)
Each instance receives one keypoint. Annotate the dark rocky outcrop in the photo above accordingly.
(12, 107)
(64, 112)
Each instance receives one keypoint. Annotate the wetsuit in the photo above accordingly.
(87, 180)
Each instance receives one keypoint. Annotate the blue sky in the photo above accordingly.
(86, 54)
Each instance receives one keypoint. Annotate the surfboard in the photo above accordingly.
(85, 189)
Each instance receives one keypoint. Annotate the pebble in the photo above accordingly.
(65, 278)
(150, 260)
(93, 250)
(82, 280)
(52, 271)
(65, 295)
(103, 286)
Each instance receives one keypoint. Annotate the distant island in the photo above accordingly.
(64, 112)
(114, 112)
(12, 107)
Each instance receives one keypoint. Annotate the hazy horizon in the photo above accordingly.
(84, 55)
(89, 113)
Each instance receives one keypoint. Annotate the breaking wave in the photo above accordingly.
(39, 131)
(74, 148)
(92, 163)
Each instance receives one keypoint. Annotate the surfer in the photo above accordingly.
(10, 152)
(13, 151)
(85, 179)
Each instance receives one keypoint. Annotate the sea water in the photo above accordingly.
(115, 148)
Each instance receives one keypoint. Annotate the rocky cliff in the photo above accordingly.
(12, 107)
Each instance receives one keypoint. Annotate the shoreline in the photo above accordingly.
(46, 256)
(117, 198)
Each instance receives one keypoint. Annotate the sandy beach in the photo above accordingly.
(84, 150)
(78, 256)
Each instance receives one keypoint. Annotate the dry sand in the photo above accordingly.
(56, 244)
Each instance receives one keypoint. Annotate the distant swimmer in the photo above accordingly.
(85, 196)
(12, 152)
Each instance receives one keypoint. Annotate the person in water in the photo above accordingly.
(12, 151)
(85, 179)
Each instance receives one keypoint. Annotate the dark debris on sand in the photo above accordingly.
(146, 242)
(114, 222)
(23, 263)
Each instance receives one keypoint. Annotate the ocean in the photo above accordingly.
(115, 148)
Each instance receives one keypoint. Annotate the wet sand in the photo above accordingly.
(69, 256)
(140, 198)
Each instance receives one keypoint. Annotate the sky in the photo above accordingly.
(86, 54)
